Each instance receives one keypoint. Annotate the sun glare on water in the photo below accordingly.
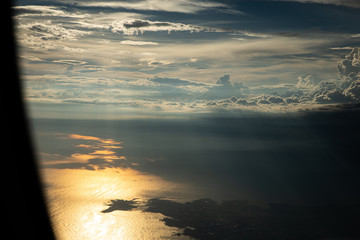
(77, 197)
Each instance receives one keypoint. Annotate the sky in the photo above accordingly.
(150, 58)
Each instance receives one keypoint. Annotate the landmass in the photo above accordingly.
(120, 205)
(205, 219)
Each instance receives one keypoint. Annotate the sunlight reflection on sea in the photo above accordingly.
(76, 198)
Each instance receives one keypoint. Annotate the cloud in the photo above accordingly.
(327, 92)
(275, 99)
(349, 68)
(305, 82)
(245, 102)
(48, 31)
(185, 60)
(346, 3)
(138, 43)
(48, 35)
(170, 94)
(32, 58)
(307, 93)
(344, 90)
(341, 48)
(291, 100)
(136, 26)
(154, 63)
(353, 90)
(167, 89)
(43, 44)
(182, 6)
(70, 62)
(45, 11)
(248, 34)
(175, 81)
(45, 28)
(225, 88)
(225, 81)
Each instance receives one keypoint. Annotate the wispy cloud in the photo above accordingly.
(70, 62)
(32, 58)
(346, 3)
(47, 30)
(136, 26)
(45, 11)
(182, 6)
(138, 43)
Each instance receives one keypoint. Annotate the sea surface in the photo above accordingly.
(85, 164)
(76, 198)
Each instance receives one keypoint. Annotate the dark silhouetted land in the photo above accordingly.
(120, 205)
(206, 219)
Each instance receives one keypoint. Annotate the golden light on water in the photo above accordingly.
(76, 198)
(103, 152)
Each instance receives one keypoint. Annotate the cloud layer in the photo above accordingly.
(346, 3)
(136, 26)
(132, 57)
(182, 6)
(306, 92)
(169, 95)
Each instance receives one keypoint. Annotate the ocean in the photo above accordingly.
(150, 165)
(76, 198)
